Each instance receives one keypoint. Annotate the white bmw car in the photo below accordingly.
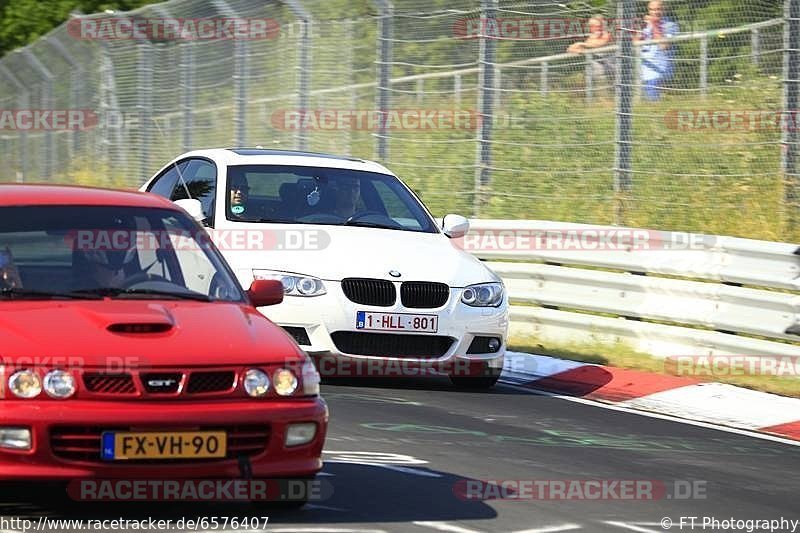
(373, 285)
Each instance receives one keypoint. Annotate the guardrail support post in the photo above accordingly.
(486, 88)
(623, 104)
(791, 72)
(385, 36)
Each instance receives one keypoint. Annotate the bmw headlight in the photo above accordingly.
(25, 384)
(483, 295)
(256, 383)
(294, 284)
(59, 384)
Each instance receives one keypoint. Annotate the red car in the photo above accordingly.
(129, 350)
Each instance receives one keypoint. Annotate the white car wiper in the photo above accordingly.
(18, 293)
(363, 224)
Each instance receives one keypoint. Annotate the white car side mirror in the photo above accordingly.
(455, 226)
(193, 207)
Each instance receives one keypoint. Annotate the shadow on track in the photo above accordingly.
(356, 493)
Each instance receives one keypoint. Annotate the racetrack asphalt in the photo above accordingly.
(400, 453)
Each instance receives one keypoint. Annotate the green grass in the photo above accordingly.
(621, 355)
(552, 157)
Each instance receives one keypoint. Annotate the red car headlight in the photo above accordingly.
(25, 384)
(284, 381)
(59, 384)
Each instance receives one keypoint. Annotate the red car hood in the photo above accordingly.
(187, 333)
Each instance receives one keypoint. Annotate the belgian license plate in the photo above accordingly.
(129, 445)
(368, 320)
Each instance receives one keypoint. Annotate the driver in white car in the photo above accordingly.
(348, 191)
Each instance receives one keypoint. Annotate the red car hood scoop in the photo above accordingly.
(139, 327)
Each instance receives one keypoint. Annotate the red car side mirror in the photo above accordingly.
(265, 292)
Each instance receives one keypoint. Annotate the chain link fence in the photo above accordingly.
(677, 115)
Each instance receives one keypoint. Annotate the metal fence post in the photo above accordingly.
(144, 90)
(240, 75)
(187, 93)
(46, 102)
(755, 46)
(589, 78)
(240, 92)
(498, 85)
(303, 65)
(623, 105)
(486, 90)
(76, 86)
(23, 101)
(385, 35)
(637, 72)
(791, 70)
(704, 65)
(543, 79)
(350, 66)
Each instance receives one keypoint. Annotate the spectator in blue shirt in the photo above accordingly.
(657, 58)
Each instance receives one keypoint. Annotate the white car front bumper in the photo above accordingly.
(323, 317)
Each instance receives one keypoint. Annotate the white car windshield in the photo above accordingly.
(77, 251)
(329, 196)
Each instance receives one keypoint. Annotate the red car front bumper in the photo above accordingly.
(275, 460)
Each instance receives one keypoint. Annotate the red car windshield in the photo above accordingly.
(109, 251)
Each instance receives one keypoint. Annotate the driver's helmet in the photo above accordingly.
(111, 259)
(117, 249)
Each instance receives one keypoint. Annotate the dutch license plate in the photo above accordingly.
(368, 320)
(129, 445)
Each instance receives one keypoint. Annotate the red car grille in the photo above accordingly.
(200, 382)
(109, 383)
(82, 443)
(160, 383)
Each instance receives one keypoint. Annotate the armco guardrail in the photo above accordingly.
(667, 293)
